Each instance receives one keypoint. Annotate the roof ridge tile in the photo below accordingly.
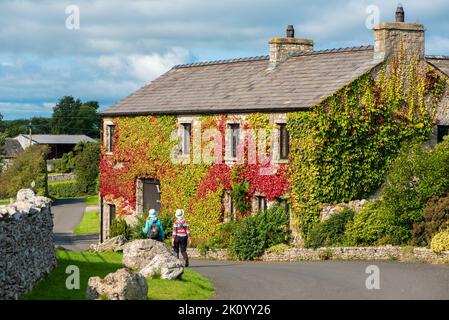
(258, 58)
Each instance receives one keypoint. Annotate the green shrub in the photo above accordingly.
(277, 248)
(222, 240)
(64, 189)
(28, 169)
(87, 162)
(416, 175)
(440, 241)
(330, 232)
(167, 224)
(257, 233)
(436, 218)
(375, 225)
(66, 163)
(136, 230)
(119, 227)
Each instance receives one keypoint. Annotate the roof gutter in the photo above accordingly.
(195, 112)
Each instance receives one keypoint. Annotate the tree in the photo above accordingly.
(28, 169)
(71, 116)
(88, 120)
(40, 126)
(64, 118)
(87, 161)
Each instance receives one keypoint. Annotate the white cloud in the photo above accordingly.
(143, 68)
(123, 45)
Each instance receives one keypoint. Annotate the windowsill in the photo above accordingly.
(184, 158)
(281, 161)
(230, 160)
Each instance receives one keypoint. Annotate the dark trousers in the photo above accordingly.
(181, 242)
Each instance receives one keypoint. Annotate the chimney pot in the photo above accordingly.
(400, 15)
(282, 48)
(391, 37)
(290, 31)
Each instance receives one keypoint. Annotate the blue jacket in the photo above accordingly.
(148, 224)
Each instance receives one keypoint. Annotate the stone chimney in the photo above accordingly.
(388, 37)
(282, 48)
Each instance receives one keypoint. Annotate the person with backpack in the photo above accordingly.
(181, 235)
(153, 227)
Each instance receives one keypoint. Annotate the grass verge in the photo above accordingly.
(92, 200)
(90, 224)
(191, 286)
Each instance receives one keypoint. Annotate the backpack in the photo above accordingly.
(154, 231)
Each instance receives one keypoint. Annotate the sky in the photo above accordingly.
(119, 46)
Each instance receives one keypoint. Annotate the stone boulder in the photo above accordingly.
(113, 244)
(25, 195)
(120, 285)
(168, 267)
(152, 257)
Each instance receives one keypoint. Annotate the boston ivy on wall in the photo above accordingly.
(341, 149)
(143, 149)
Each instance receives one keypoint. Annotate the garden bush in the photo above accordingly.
(436, 218)
(64, 189)
(329, 232)
(222, 240)
(136, 230)
(416, 175)
(374, 225)
(257, 233)
(28, 169)
(440, 241)
(87, 161)
(119, 227)
(66, 163)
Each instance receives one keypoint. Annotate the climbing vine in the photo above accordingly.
(341, 149)
(144, 147)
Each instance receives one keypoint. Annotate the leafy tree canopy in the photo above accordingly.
(71, 116)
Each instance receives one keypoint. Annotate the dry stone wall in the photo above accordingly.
(405, 254)
(27, 250)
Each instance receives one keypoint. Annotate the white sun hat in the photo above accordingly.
(179, 213)
(153, 213)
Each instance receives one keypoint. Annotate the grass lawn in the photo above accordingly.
(92, 200)
(191, 286)
(4, 202)
(90, 224)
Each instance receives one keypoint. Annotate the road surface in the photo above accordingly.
(323, 280)
(67, 214)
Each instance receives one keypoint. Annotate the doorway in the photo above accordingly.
(151, 195)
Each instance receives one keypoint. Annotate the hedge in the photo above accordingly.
(65, 189)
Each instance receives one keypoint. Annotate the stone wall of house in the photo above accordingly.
(27, 250)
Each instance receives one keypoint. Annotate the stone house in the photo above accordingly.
(292, 77)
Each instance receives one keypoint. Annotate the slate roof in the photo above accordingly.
(11, 148)
(246, 85)
(59, 138)
(441, 62)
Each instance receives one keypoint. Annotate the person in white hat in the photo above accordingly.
(181, 235)
(153, 227)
